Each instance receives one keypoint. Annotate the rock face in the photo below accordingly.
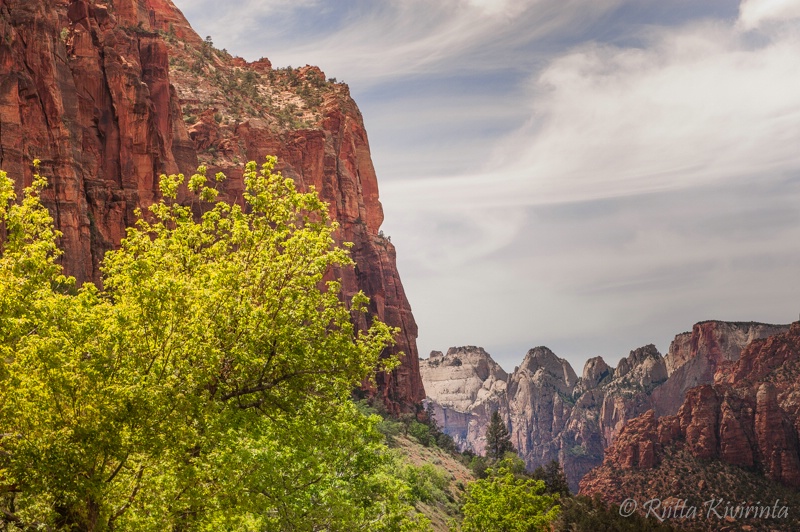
(111, 94)
(538, 405)
(468, 386)
(552, 414)
(716, 341)
(464, 377)
(747, 418)
(695, 357)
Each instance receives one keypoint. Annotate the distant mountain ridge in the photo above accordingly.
(553, 414)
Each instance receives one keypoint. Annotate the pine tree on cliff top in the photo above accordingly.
(498, 439)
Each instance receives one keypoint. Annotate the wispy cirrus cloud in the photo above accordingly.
(700, 121)
(369, 42)
(695, 105)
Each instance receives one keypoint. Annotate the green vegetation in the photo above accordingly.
(584, 514)
(504, 502)
(681, 475)
(506, 497)
(498, 439)
(578, 450)
(205, 387)
(427, 461)
(554, 479)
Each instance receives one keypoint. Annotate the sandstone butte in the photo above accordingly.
(554, 414)
(111, 94)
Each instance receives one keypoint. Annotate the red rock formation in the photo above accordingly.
(553, 417)
(695, 357)
(635, 446)
(88, 88)
(716, 341)
(749, 418)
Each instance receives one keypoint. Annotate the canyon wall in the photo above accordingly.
(553, 414)
(109, 95)
(748, 418)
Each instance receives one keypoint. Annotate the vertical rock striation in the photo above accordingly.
(551, 412)
(695, 357)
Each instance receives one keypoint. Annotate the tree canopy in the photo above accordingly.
(206, 386)
(505, 502)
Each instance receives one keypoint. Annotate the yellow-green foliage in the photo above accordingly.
(504, 502)
(205, 387)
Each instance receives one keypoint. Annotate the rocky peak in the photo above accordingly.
(478, 359)
(552, 414)
(748, 418)
(463, 384)
(643, 366)
(594, 372)
(772, 358)
(463, 377)
(716, 341)
(552, 418)
(164, 16)
(701, 356)
(541, 360)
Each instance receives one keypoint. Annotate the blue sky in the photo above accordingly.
(590, 175)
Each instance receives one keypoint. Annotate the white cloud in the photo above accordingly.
(603, 278)
(241, 13)
(694, 106)
(674, 128)
(755, 13)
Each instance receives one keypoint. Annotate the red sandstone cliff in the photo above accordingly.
(749, 418)
(110, 94)
(695, 357)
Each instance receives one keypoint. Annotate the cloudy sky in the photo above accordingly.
(589, 175)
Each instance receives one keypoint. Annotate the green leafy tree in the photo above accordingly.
(498, 439)
(479, 466)
(206, 387)
(504, 502)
